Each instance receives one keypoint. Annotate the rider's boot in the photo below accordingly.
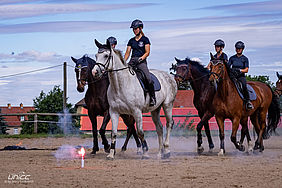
(249, 105)
(152, 95)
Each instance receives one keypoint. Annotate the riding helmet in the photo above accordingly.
(136, 24)
(220, 43)
(112, 40)
(239, 45)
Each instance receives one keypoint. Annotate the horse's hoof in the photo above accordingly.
(166, 155)
(93, 152)
(221, 153)
(159, 155)
(110, 158)
(107, 148)
(145, 156)
(242, 148)
(261, 149)
(200, 149)
(211, 150)
(139, 151)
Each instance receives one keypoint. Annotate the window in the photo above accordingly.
(16, 131)
(22, 118)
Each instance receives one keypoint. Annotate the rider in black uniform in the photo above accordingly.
(112, 41)
(140, 46)
(240, 64)
(219, 45)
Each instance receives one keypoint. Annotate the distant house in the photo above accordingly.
(14, 122)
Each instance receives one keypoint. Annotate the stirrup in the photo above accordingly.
(152, 102)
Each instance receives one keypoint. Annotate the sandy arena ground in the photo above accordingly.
(185, 168)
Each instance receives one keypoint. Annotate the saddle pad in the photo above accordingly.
(157, 85)
(252, 93)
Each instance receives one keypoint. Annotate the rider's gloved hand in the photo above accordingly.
(140, 59)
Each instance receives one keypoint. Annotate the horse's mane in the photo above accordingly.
(198, 64)
(119, 53)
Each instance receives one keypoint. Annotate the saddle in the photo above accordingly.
(142, 80)
(252, 93)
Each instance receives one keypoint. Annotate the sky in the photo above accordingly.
(35, 34)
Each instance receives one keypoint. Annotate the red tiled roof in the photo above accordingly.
(14, 121)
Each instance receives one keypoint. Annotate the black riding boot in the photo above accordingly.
(152, 94)
(249, 105)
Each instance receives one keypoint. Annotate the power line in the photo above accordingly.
(22, 73)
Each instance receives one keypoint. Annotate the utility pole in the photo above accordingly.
(65, 96)
(65, 86)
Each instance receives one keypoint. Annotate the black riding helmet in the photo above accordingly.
(239, 45)
(136, 24)
(220, 43)
(112, 40)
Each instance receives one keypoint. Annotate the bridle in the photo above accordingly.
(219, 76)
(186, 72)
(107, 64)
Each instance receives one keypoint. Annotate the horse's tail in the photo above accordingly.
(273, 117)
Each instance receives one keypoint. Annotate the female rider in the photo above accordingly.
(140, 46)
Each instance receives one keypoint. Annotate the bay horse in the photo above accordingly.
(97, 103)
(198, 76)
(228, 104)
(126, 96)
(278, 89)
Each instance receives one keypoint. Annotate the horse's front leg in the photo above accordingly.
(114, 117)
(235, 126)
(102, 131)
(94, 132)
(220, 123)
(140, 133)
(204, 122)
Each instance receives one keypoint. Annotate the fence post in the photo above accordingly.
(35, 124)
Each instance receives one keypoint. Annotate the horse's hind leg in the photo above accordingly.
(169, 123)
(208, 133)
(140, 133)
(245, 133)
(235, 126)
(159, 128)
(102, 132)
(129, 122)
(262, 118)
(255, 121)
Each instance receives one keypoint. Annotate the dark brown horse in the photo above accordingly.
(97, 103)
(228, 104)
(198, 76)
(278, 89)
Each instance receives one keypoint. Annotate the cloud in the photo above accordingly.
(32, 55)
(31, 10)
(264, 6)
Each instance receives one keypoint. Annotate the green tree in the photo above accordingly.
(51, 102)
(264, 79)
(3, 125)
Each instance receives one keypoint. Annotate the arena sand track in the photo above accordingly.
(184, 169)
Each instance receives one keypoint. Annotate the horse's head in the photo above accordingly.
(217, 69)
(182, 70)
(279, 84)
(82, 69)
(103, 58)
